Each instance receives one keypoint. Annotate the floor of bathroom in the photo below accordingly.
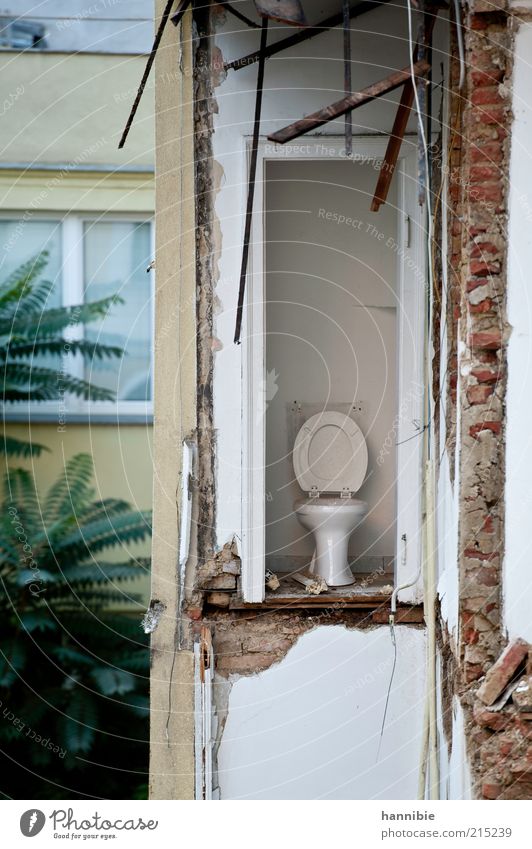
(370, 591)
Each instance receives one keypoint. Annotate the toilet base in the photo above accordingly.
(334, 576)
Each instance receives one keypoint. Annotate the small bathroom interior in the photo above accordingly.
(331, 344)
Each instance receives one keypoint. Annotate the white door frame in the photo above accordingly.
(408, 425)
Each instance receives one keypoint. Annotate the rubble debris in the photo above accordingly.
(221, 570)
(502, 672)
(219, 599)
(314, 584)
(522, 695)
(151, 618)
(271, 580)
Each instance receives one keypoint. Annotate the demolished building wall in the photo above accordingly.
(472, 376)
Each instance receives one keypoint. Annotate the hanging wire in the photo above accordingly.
(394, 643)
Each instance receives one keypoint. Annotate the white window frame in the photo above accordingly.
(72, 294)
(411, 323)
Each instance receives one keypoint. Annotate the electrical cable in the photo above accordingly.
(394, 643)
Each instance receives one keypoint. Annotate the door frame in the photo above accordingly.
(408, 423)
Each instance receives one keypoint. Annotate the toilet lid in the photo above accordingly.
(330, 454)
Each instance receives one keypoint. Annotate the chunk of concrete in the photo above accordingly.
(522, 695)
(219, 599)
(502, 671)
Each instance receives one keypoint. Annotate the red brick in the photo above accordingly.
(477, 554)
(473, 671)
(491, 789)
(478, 22)
(502, 671)
(496, 721)
(484, 375)
(489, 576)
(483, 308)
(481, 268)
(470, 636)
(489, 152)
(493, 115)
(474, 283)
(479, 173)
(244, 664)
(491, 339)
(487, 78)
(488, 357)
(483, 248)
(482, 59)
(475, 429)
(486, 95)
(485, 192)
(479, 394)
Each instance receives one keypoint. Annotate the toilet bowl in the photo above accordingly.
(330, 460)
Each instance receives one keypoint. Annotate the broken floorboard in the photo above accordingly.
(370, 593)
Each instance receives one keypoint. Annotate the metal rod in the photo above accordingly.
(149, 64)
(310, 32)
(251, 180)
(347, 76)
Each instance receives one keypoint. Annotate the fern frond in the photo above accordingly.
(12, 447)
(71, 486)
(108, 532)
(80, 723)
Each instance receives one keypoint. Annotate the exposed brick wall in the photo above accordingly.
(454, 241)
(501, 731)
(246, 642)
(482, 331)
(499, 740)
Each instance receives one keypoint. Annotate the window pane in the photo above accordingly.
(22, 240)
(116, 255)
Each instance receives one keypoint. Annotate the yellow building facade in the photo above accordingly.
(65, 187)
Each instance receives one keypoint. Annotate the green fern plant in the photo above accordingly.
(30, 331)
(73, 668)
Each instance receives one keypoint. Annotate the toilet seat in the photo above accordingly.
(330, 455)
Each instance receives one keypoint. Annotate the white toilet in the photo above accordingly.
(330, 462)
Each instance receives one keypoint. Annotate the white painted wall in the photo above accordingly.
(296, 82)
(331, 293)
(309, 727)
(447, 478)
(518, 548)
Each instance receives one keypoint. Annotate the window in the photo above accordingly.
(90, 258)
(17, 34)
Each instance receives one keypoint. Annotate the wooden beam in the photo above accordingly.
(394, 146)
(304, 35)
(347, 104)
